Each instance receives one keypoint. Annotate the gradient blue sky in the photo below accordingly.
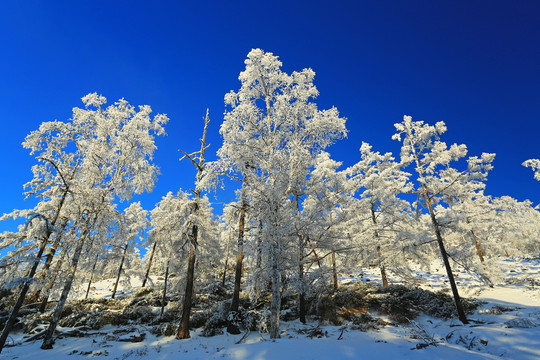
(473, 64)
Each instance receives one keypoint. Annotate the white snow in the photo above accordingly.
(507, 326)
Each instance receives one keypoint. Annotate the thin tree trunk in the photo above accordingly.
(49, 258)
(164, 298)
(317, 258)
(48, 341)
(275, 305)
(239, 258)
(457, 299)
(183, 328)
(52, 281)
(479, 249)
(15, 311)
(453, 286)
(149, 265)
(334, 270)
(120, 269)
(333, 261)
(258, 262)
(379, 252)
(91, 277)
(233, 328)
(20, 300)
(381, 267)
(301, 291)
(226, 259)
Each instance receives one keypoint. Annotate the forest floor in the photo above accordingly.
(506, 325)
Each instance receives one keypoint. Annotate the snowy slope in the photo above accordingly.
(506, 326)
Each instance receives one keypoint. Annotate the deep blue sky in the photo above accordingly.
(473, 64)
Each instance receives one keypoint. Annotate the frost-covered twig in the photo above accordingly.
(422, 334)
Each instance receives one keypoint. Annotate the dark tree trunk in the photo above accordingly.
(91, 277)
(48, 260)
(381, 267)
(301, 292)
(427, 199)
(120, 270)
(231, 327)
(333, 261)
(48, 341)
(301, 288)
(164, 298)
(183, 329)
(226, 260)
(379, 252)
(149, 265)
(15, 311)
(275, 304)
(24, 290)
(457, 299)
(334, 271)
(239, 258)
(52, 281)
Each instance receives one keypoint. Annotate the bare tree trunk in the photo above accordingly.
(149, 265)
(164, 298)
(91, 277)
(233, 328)
(427, 199)
(301, 289)
(275, 305)
(239, 258)
(457, 299)
(48, 341)
(301, 292)
(334, 270)
(226, 259)
(183, 328)
(49, 258)
(379, 252)
(333, 261)
(479, 249)
(120, 270)
(313, 249)
(15, 311)
(52, 281)
(258, 262)
(381, 267)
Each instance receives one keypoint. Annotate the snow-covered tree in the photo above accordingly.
(438, 182)
(515, 228)
(196, 217)
(133, 222)
(271, 134)
(98, 156)
(534, 164)
(381, 214)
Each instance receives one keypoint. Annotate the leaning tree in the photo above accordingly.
(439, 182)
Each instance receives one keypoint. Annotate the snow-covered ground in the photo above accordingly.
(506, 326)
